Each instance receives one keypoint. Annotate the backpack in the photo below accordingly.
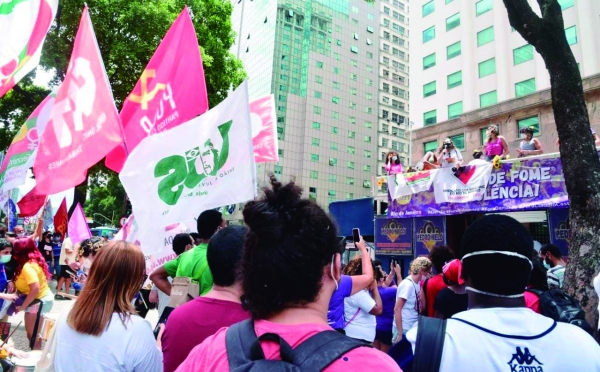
(561, 307)
(315, 354)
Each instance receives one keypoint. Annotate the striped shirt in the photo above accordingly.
(556, 276)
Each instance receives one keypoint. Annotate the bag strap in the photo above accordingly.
(430, 344)
(353, 317)
(324, 348)
(239, 339)
(37, 322)
(536, 291)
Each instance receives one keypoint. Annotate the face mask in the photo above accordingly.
(394, 158)
(20, 235)
(56, 240)
(5, 258)
(547, 266)
(333, 276)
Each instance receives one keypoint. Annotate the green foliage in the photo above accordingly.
(128, 33)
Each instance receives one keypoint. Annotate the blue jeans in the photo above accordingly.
(54, 268)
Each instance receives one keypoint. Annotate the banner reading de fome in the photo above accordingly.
(21, 153)
(205, 163)
(23, 28)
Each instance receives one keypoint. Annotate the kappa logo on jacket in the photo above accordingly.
(525, 362)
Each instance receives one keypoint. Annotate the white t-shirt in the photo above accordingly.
(119, 348)
(467, 348)
(409, 291)
(454, 153)
(67, 244)
(363, 325)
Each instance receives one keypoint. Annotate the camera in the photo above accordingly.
(446, 145)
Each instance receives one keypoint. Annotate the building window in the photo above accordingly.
(369, 55)
(384, 143)
(333, 146)
(319, 64)
(483, 134)
(429, 61)
(370, 29)
(367, 184)
(449, 1)
(349, 196)
(430, 117)
(335, 115)
(366, 168)
(454, 79)
(332, 161)
(312, 193)
(566, 4)
(533, 121)
(332, 177)
(483, 6)
(367, 154)
(278, 169)
(453, 50)
(350, 165)
(429, 34)
(353, 49)
(355, 9)
(317, 94)
(317, 110)
(352, 120)
(318, 79)
(316, 142)
(428, 8)
(314, 157)
(459, 141)
(369, 68)
(353, 91)
(571, 34)
(455, 110)
(335, 100)
(487, 67)
(334, 130)
(350, 180)
(525, 87)
(368, 139)
(353, 77)
(488, 99)
(369, 82)
(314, 174)
(316, 125)
(368, 96)
(350, 150)
(338, 42)
(336, 85)
(453, 21)
(429, 89)
(430, 146)
(369, 110)
(280, 153)
(522, 54)
(351, 134)
(370, 16)
(485, 36)
(368, 124)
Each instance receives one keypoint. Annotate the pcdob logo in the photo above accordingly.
(192, 168)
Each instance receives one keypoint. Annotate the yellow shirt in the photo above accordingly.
(32, 273)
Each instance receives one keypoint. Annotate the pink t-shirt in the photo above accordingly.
(211, 355)
(532, 301)
(494, 148)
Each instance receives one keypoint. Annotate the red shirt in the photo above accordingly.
(532, 301)
(434, 286)
(191, 323)
(211, 355)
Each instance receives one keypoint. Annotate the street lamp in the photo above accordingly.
(103, 216)
(410, 125)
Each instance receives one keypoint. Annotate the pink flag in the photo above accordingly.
(170, 91)
(84, 124)
(264, 131)
(78, 227)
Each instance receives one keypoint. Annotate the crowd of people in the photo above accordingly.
(449, 156)
(274, 295)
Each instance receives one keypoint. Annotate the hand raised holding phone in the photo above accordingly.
(358, 239)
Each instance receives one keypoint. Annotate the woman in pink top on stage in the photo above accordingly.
(392, 163)
(495, 145)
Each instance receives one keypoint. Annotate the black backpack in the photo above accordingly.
(561, 307)
(315, 354)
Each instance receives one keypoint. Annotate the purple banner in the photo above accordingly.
(522, 184)
(560, 234)
(428, 232)
(393, 236)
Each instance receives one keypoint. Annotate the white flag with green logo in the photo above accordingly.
(205, 163)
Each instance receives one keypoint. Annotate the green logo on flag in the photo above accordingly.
(181, 171)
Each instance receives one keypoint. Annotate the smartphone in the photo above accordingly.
(356, 235)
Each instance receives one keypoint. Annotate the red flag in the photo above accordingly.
(83, 125)
(31, 203)
(61, 219)
(170, 91)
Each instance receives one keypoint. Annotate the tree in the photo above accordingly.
(578, 154)
(128, 33)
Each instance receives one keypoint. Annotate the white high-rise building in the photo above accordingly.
(465, 56)
(393, 81)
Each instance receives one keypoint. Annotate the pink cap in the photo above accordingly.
(452, 271)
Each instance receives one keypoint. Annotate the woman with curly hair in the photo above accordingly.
(289, 269)
(31, 279)
(361, 308)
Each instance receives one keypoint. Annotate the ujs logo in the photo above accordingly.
(393, 230)
(190, 169)
(429, 235)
